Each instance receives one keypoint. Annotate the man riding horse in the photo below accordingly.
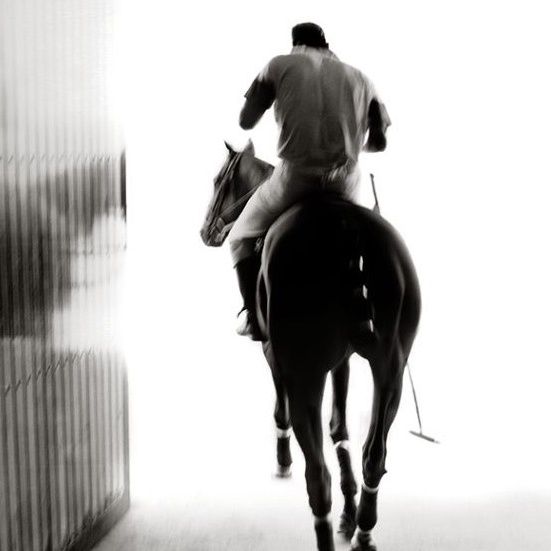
(324, 108)
(334, 278)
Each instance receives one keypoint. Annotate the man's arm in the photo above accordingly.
(378, 122)
(259, 98)
(251, 113)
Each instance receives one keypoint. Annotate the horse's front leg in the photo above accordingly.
(339, 434)
(283, 427)
(282, 419)
(387, 380)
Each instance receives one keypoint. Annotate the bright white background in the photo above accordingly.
(465, 180)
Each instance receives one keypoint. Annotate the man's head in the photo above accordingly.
(309, 34)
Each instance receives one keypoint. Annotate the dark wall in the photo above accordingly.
(63, 389)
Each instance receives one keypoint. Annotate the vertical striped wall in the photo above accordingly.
(63, 391)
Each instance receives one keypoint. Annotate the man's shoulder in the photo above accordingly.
(352, 73)
(279, 63)
(357, 75)
(284, 60)
(275, 65)
(282, 64)
(301, 55)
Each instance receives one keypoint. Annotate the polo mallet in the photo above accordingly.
(418, 433)
(376, 207)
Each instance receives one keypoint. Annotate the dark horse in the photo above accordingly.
(335, 279)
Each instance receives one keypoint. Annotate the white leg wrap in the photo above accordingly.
(345, 444)
(361, 538)
(326, 518)
(369, 490)
(283, 433)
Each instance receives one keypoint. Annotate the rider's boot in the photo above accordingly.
(247, 275)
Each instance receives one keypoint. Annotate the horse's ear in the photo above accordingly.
(229, 147)
(249, 148)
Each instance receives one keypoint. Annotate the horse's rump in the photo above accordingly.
(324, 262)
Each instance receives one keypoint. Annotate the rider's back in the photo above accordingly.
(321, 105)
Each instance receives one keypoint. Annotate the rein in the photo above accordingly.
(221, 224)
(229, 212)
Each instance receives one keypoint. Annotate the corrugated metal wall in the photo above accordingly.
(63, 390)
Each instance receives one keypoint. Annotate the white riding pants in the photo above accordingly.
(287, 185)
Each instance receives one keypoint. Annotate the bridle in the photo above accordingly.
(220, 195)
(225, 219)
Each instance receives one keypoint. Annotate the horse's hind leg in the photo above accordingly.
(305, 398)
(397, 306)
(339, 434)
(387, 379)
(282, 418)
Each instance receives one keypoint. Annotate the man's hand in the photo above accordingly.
(378, 123)
(376, 141)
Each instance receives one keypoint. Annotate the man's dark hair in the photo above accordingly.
(309, 34)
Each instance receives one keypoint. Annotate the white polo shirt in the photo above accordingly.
(321, 106)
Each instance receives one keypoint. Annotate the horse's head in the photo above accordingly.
(238, 178)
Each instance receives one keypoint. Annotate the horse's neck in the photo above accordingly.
(243, 185)
(257, 172)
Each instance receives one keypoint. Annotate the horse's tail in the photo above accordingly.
(362, 330)
(385, 295)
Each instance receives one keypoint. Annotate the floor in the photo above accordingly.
(272, 515)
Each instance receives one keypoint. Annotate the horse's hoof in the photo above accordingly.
(283, 471)
(347, 525)
(362, 541)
